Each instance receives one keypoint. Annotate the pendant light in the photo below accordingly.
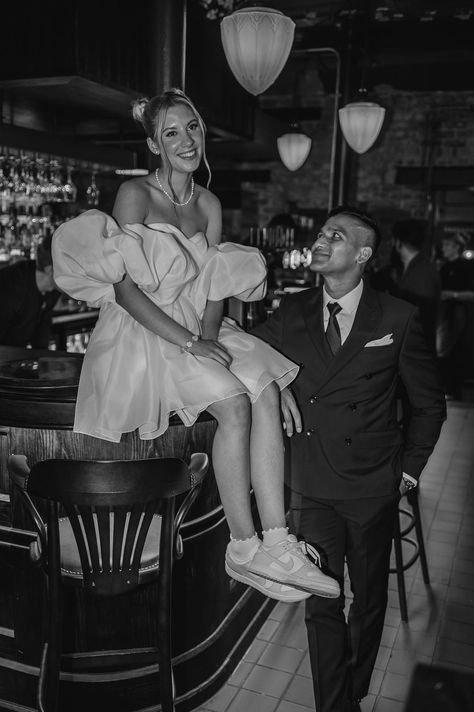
(294, 147)
(361, 122)
(257, 42)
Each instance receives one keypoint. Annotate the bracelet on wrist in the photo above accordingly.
(189, 344)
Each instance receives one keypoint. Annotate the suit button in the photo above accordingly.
(368, 376)
(310, 431)
(348, 441)
(353, 406)
(301, 364)
(314, 399)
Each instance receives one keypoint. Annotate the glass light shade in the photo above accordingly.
(360, 123)
(294, 149)
(257, 42)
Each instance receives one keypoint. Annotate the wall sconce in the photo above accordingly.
(294, 147)
(257, 42)
(361, 122)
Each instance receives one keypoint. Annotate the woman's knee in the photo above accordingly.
(232, 412)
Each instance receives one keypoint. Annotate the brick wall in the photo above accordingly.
(419, 129)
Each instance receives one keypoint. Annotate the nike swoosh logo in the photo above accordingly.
(288, 566)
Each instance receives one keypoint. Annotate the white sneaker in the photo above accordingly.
(272, 589)
(285, 563)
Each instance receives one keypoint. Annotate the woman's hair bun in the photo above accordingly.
(138, 108)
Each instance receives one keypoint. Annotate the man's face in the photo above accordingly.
(449, 249)
(342, 246)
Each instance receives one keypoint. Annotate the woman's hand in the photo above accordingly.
(211, 348)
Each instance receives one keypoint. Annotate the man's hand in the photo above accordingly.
(290, 412)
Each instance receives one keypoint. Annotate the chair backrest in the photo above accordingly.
(110, 506)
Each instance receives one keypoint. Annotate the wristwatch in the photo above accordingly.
(409, 484)
(192, 340)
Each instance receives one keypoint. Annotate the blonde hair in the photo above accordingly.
(151, 114)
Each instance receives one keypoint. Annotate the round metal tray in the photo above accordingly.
(42, 372)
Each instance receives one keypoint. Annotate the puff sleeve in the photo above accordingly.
(233, 270)
(91, 253)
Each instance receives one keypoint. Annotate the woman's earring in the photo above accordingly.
(154, 149)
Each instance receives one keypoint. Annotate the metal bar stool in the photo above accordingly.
(400, 535)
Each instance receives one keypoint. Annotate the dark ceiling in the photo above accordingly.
(411, 45)
(423, 45)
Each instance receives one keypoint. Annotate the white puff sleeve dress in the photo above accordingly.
(131, 378)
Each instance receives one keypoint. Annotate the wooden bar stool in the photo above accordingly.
(119, 531)
(400, 536)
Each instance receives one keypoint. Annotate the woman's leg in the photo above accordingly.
(245, 559)
(280, 549)
(267, 458)
(231, 462)
(249, 441)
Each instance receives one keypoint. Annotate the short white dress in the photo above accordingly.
(131, 378)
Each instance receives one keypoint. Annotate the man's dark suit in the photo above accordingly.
(347, 464)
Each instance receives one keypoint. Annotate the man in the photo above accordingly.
(349, 459)
(27, 297)
(419, 282)
(457, 296)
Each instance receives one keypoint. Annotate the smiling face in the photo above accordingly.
(343, 247)
(181, 140)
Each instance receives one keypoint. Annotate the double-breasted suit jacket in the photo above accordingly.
(351, 445)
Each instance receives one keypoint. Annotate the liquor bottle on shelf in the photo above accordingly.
(69, 188)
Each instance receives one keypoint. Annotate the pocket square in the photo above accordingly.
(384, 341)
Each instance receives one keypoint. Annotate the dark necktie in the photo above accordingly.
(333, 333)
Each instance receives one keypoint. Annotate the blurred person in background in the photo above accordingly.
(27, 297)
(419, 282)
(457, 297)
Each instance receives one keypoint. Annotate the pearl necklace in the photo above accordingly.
(170, 197)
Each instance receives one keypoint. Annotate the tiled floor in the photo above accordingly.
(274, 675)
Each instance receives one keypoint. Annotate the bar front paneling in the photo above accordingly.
(110, 646)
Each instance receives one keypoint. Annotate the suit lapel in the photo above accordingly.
(313, 316)
(367, 319)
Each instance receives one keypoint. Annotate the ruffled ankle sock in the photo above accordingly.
(243, 550)
(274, 536)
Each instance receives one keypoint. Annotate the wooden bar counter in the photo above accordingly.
(110, 657)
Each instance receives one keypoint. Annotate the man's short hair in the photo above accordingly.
(364, 218)
(410, 232)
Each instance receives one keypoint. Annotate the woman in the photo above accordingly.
(162, 347)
